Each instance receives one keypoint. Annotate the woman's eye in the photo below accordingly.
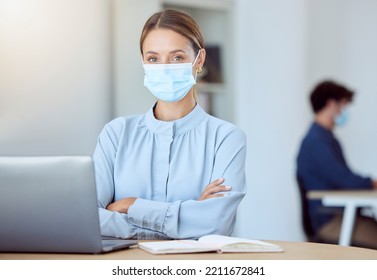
(178, 58)
(152, 59)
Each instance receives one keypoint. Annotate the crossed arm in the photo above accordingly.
(214, 189)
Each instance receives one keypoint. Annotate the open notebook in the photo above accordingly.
(209, 243)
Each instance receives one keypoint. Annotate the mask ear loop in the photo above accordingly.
(200, 68)
(196, 58)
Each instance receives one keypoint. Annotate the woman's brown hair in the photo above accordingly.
(176, 21)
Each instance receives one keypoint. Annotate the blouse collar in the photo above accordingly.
(182, 125)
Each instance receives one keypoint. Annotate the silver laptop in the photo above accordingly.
(49, 204)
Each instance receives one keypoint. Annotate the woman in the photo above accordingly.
(162, 175)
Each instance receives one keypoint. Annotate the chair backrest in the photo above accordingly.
(308, 229)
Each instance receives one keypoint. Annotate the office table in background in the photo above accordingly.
(350, 200)
(292, 251)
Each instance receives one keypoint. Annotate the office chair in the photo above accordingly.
(306, 223)
(305, 218)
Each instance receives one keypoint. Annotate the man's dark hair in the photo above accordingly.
(328, 90)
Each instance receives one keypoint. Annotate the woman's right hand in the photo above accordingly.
(213, 190)
(122, 205)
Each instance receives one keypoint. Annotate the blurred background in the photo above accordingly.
(67, 67)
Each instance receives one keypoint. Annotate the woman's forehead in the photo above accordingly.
(165, 40)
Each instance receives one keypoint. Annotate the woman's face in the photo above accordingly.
(164, 46)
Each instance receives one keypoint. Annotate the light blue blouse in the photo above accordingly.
(167, 165)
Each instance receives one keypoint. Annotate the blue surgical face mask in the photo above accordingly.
(169, 82)
(342, 118)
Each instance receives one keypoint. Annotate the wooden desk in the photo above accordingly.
(350, 200)
(293, 251)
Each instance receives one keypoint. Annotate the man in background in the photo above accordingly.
(321, 165)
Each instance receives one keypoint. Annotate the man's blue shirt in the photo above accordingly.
(321, 166)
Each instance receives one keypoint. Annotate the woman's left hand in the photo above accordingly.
(214, 189)
(122, 205)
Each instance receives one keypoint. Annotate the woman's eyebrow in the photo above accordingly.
(173, 51)
(178, 50)
(151, 52)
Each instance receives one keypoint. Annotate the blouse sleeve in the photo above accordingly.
(191, 218)
(113, 223)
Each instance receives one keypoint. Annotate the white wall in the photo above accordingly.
(55, 75)
(360, 137)
(271, 86)
(343, 46)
